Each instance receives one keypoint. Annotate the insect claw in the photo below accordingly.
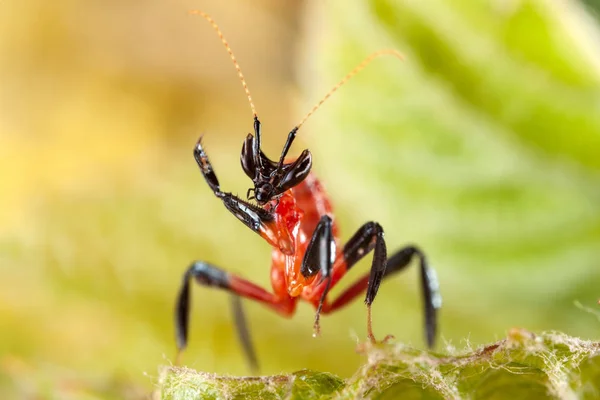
(178, 358)
(317, 327)
(387, 338)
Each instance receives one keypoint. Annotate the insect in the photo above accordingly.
(292, 212)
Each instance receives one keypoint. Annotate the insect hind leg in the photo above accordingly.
(244, 336)
(209, 275)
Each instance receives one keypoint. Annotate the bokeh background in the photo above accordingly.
(483, 147)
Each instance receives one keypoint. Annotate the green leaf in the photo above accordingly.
(522, 366)
(184, 383)
(481, 147)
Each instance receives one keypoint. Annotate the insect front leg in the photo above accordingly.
(207, 169)
(206, 274)
(354, 251)
(255, 218)
(319, 257)
(368, 237)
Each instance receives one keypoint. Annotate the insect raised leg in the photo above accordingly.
(396, 263)
(256, 218)
(209, 275)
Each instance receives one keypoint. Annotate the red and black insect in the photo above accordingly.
(292, 212)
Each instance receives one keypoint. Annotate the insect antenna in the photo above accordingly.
(235, 63)
(346, 78)
(356, 70)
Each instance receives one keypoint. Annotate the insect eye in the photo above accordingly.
(263, 193)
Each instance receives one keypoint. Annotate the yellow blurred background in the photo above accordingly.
(102, 206)
(101, 103)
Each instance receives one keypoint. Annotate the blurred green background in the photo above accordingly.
(483, 147)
